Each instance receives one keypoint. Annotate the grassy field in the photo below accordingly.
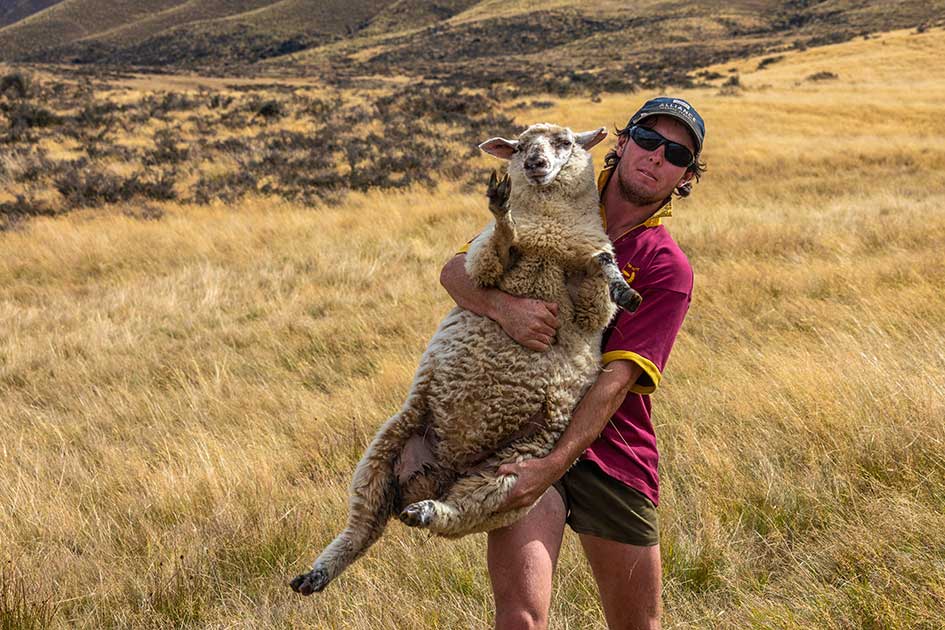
(182, 400)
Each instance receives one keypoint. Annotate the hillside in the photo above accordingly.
(15, 10)
(125, 31)
(561, 46)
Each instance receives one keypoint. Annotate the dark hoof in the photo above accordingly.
(311, 582)
(498, 193)
(625, 297)
(418, 514)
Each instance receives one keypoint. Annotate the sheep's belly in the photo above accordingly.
(485, 387)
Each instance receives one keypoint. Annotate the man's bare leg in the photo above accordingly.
(522, 560)
(629, 579)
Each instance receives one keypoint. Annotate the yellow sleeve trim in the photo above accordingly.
(464, 249)
(648, 381)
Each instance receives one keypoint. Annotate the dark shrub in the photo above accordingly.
(220, 101)
(144, 212)
(321, 109)
(98, 114)
(92, 188)
(270, 110)
(14, 214)
(26, 114)
(767, 61)
(89, 188)
(16, 84)
(166, 149)
(158, 186)
(226, 188)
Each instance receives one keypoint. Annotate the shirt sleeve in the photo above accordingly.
(647, 335)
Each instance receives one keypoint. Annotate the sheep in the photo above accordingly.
(479, 399)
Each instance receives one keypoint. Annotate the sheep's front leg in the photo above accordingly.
(600, 287)
(620, 292)
(491, 254)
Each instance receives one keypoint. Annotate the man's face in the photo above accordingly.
(645, 177)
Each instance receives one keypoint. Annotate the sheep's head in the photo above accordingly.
(542, 150)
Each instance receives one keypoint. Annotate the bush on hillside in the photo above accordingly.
(15, 84)
(166, 149)
(85, 188)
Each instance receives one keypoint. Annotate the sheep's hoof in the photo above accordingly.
(498, 194)
(625, 297)
(311, 582)
(419, 514)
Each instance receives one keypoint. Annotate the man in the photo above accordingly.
(609, 496)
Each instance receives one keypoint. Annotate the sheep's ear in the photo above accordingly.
(499, 147)
(588, 139)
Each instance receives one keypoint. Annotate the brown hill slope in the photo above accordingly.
(15, 10)
(126, 31)
(404, 15)
(562, 46)
(71, 20)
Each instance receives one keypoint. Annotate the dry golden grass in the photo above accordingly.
(182, 401)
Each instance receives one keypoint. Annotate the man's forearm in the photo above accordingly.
(590, 417)
(594, 411)
(467, 293)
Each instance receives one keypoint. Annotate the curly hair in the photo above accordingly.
(697, 168)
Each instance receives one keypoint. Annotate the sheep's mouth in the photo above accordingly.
(540, 177)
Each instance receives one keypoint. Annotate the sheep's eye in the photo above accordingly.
(561, 144)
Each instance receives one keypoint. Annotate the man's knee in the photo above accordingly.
(521, 618)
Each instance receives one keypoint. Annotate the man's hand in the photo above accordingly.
(534, 477)
(531, 323)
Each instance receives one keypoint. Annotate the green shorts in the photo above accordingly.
(601, 506)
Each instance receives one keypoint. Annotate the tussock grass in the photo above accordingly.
(182, 401)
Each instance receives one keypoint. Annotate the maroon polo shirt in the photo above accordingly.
(653, 264)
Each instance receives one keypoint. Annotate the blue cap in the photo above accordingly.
(677, 108)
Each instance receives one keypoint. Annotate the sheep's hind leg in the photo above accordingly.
(372, 501)
(469, 507)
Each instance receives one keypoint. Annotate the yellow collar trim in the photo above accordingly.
(666, 210)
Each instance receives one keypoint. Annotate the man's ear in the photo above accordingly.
(621, 145)
(499, 147)
(684, 187)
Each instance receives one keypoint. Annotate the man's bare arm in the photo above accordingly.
(531, 323)
(588, 421)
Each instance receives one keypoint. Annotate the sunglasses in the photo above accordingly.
(648, 140)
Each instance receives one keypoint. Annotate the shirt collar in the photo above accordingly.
(666, 210)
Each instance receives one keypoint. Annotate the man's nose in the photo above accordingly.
(656, 155)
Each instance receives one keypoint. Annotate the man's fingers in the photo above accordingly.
(536, 345)
(553, 307)
(549, 320)
(544, 329)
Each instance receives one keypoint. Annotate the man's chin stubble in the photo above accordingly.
(634, 195)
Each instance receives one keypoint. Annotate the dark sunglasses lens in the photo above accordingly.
(646, 139)
(649, 140)
(677, 154)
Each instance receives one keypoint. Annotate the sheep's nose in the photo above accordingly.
(535, 163)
